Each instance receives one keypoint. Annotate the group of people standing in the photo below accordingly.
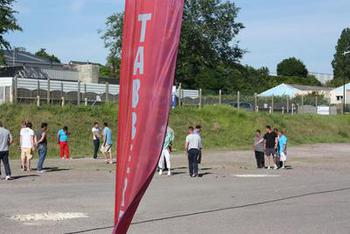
(193, 148)
(106, 146)
(31, 141)
(271, 148)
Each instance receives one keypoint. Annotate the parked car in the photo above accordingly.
(243, 105)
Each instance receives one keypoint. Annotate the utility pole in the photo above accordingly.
(344, 84)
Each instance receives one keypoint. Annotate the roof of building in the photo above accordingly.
(23, 57)
(83, 63)
(340, 89)
(292, 90)
(310, 88)
(23, 72)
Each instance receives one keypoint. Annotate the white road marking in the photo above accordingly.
(49, 216)
(255, 176)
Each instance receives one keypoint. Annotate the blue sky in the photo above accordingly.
(275, 29)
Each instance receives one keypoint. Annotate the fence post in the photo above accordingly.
(200, 98)
(316, 100)
(37, 100)
(256, 102)
(282, 110)
(63, 101)
(14, 90)
(293, 106)
(48, 91)
(38, 88)
(302, 100)
(62, 90)
(220, 97)
(78, 93)
(257, 109)
(287, 104)
(301, 109)
(272, 103)
(238, 99)
(86, 101)
(270, 110)
(84, 90)
(107, 91)
(180, 93)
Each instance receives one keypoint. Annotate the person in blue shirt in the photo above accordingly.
(282, 142)
(62, 138)
(106, 148)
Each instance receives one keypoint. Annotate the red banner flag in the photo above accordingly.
(151, 37)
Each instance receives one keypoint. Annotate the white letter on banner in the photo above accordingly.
(135, 92)
(124, 190)
(144, 18)
(133, 126)
(138, 65)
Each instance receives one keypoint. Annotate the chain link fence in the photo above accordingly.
(312, 103)
(63, 92)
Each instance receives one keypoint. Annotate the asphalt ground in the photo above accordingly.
(231, 196)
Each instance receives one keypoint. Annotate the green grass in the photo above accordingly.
(79, 120)
(223, 126)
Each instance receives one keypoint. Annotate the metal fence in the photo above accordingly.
(312, 103)
(52, 91)
(39, 91)
(60, 92)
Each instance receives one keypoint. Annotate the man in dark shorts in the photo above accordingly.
(270, 138)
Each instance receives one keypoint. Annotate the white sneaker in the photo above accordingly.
(275, 167)
(7, 177)
(169, 173)
(268, 168)
(283, 167)
(160, 172)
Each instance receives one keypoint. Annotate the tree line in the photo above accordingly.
(209, 53)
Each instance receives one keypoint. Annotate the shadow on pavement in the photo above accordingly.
(204, 174)
(22, 176)
(220, 209)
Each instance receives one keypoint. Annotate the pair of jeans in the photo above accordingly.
(96, 147)
(42, 150)
(260, 159)
(193, 161)
(4, 157)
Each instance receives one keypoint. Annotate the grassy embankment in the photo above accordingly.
(223, 127)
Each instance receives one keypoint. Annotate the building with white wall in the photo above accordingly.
(336, 95)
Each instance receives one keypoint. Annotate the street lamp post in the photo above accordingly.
(344, 83)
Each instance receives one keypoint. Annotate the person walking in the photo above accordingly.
(165, 155)
(198, 130)
(258, 148)
(41, 144)
(270, 147)
(282, 141)
(277, 149)
(62, 138)
(27, 146)
(5, 141)
(107, 144)
(96, 138)
(192, 146)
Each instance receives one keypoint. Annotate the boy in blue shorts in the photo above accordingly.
(282, 142)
